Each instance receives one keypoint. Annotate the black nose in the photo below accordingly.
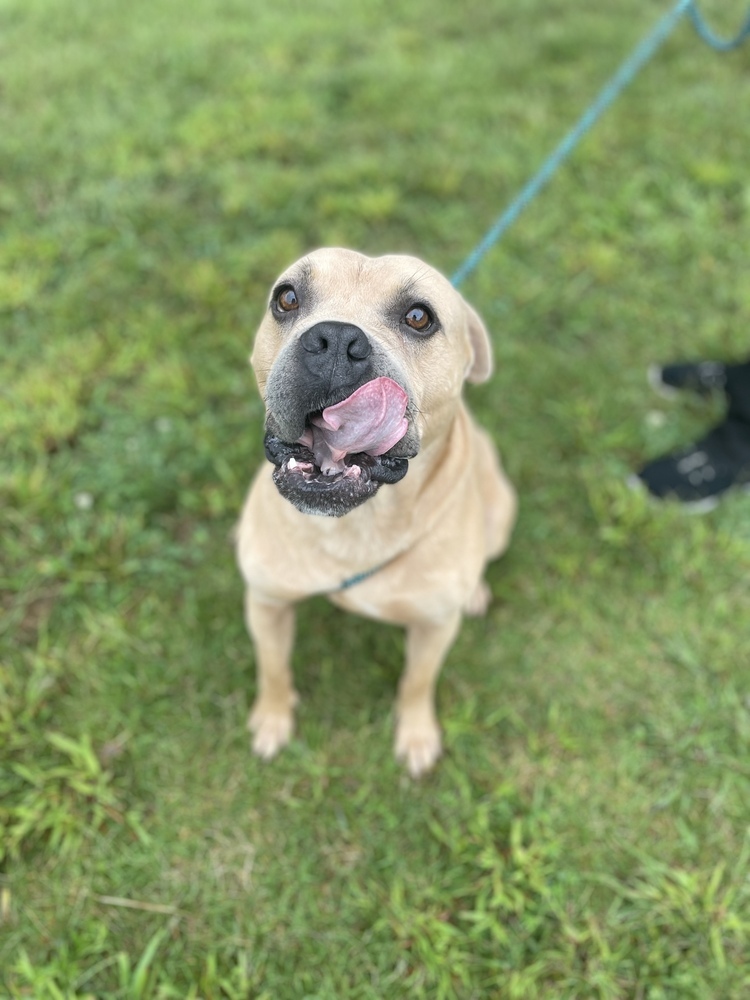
(337, 354)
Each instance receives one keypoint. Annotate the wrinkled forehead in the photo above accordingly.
(345, 284)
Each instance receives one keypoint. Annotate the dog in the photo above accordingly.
(381, 492)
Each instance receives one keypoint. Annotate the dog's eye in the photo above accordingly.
(286, 299)
(419, 318)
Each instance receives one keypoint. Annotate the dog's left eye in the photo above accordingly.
(419, 318)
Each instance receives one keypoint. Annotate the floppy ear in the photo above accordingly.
(479, 368)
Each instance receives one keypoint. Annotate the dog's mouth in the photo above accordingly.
(345, 453)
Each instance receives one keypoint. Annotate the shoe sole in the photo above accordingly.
(653, 374)
(704, 506)
(666, 391)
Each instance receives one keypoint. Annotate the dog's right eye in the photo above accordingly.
(285, 299)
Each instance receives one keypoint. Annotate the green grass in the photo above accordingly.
(586, 834)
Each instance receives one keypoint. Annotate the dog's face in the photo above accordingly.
(360, 362)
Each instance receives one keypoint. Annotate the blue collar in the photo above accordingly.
(352, 581)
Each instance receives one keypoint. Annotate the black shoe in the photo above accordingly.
(703, 377)
(700, 475)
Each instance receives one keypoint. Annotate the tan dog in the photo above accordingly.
(383, 494)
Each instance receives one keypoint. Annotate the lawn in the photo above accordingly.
(586, 833)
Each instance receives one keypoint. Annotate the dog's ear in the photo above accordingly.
(479, 368)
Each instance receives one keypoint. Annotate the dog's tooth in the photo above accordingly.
(293, 463)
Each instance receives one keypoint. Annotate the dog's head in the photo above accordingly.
(360, 362)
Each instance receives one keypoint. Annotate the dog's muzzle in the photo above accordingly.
(337, 426)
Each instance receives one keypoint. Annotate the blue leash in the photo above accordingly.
(611, 90)
(720, 44)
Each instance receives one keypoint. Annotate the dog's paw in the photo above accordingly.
(271, 727)
(418, 742)
(479, 601)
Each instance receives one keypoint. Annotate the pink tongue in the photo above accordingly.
(370, 420)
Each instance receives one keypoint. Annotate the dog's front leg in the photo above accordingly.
(271, 626)
(417, 731)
